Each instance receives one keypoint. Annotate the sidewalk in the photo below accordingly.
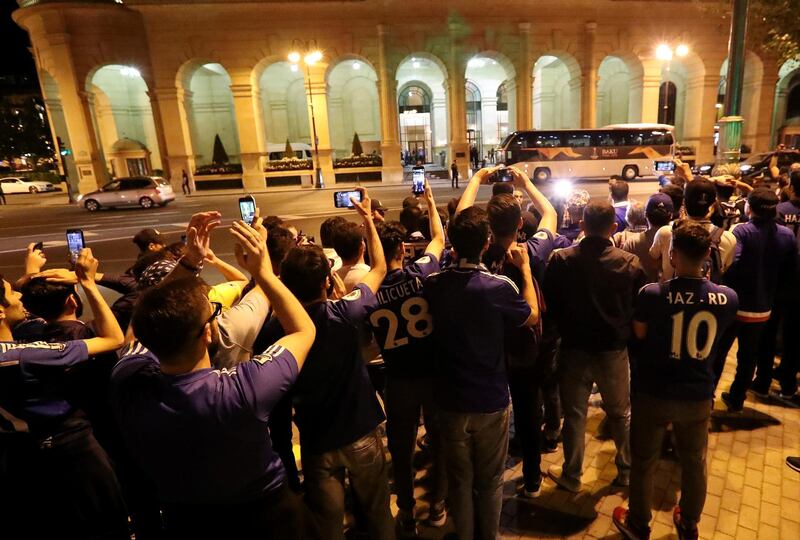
(752, 494)
(40, 199)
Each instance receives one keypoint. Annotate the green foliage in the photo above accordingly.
(356, 149)
(220, 156)
(773, 24)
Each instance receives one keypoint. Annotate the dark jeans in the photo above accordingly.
(279, 515)
(749, 336)
(280, 433)
(476, 446)
(405, 400)
(454, 181)
(365, 462)
(649, 420)
(579, 370)
(548, 359)
(63, 486)
(525, 385)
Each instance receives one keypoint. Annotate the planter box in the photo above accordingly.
(288, 178)
(351, 175)
(217, 181)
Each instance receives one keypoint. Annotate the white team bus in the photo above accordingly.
(628, 150)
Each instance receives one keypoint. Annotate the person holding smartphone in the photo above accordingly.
(58, 480)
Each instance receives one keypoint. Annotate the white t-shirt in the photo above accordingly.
(238, 328)
(663, 241)
(352, 274)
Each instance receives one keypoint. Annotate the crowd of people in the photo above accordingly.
(170, 414)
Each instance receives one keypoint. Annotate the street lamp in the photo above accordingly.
(310, 56)
(665, 53)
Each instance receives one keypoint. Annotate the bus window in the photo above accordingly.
(657, 138)
(546, 139)
(577, 139)
(607, 138)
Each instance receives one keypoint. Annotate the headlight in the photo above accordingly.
(562, 189)
(79, 198)
(745, 167)
(705, 168)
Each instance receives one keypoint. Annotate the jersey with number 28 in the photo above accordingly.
(402, 322)
(686, 318)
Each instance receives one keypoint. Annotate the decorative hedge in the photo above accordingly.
(216, 168)
(291, 164)
(368, 160)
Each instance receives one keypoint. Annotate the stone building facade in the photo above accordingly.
(413, 78)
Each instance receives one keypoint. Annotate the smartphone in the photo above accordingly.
(75, 243)
(247, 207)
(39, 246)
(341, 199)
(665, 166)
(500, 175)
(418, 180)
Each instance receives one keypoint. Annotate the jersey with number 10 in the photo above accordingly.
(686, 318)
(402, 323)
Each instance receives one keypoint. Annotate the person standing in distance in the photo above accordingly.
(678, 325)
(454, 175)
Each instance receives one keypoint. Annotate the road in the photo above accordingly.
(44, 217)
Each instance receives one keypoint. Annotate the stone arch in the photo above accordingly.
(208, 108)
(787, 92)
(423, 130)
(353, 104)
(489, 70)
(619, 89)
(556, 91)
(284, 105)
(751, 94)
(121, 109)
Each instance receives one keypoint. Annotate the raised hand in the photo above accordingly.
(86, 267)
(198, 236)
(35, 259)
(251, 247)
(364, 208)
(517, 255)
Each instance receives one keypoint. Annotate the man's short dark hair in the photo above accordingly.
(270, 222)
(724, 191)
(279, 241)
(46, 299)
(347, 240)
(425, 223)
(392, 235)
(692, 240)
(499, 188)
(304, 271)
(676, 194)
(698, 196)
(152, 257)
(504, 213)
(469, 232)
(410, 201)
(619, 190)
(410, 217)
(168, 317)
(3, 300)
(327, 229)
(763, 203)
(598, 216)
(794, 181)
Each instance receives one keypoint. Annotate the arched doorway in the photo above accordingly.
(556, 92)
(122, 111)
(422, 108)
(211, 115)
(487, 101)
(619, 90)
(285, 108)
(786, 114)
(353, 107)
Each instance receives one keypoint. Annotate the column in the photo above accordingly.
(392, 170)
(701, 113)
(651, 83)
(589, 78)
(489, 122)
(174, 112)
(762, 134)
(90, 167)
(524, 82)
(778, 113)
(245, 99)
(317, 94)
(456, 103)
(511, 95)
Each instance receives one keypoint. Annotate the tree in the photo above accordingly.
(771, 25)
(356, 149)
(220, 155)
(288, 153)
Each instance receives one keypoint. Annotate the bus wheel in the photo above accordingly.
(630, 172)
(541, 174)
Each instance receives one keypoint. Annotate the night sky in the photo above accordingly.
(14, 55)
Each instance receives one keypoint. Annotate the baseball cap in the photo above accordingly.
(698, 196)
(660, 203)
(375, 204)
(156, 272)
(145, 237)
(762, 200)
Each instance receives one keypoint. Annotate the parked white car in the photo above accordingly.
(18, 184)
